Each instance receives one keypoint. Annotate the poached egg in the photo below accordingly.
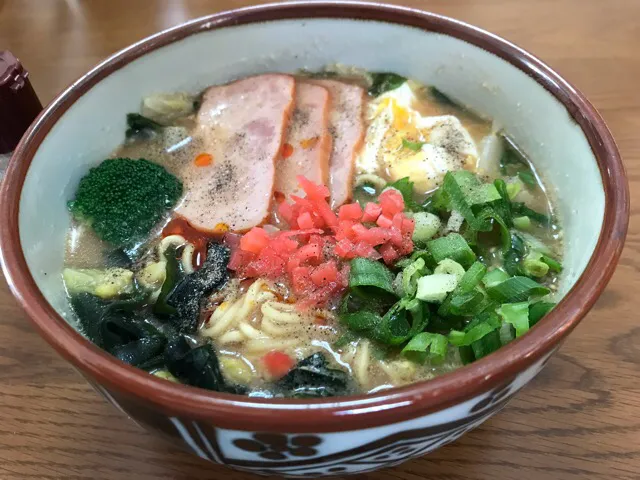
(402, 143)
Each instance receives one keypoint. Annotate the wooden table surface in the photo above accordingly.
(579, 419)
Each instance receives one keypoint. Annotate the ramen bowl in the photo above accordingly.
(553, 122)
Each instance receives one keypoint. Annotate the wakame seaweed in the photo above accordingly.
(181, 294)
(139, 126)
(384, 81)
(197, 366)
(119, 328)
(312, 377)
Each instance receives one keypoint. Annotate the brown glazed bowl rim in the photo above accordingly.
(336, 414)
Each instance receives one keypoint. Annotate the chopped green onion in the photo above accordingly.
(477, 329)
(533, 266)
(454, 195)
(527, 178)
(504, 206)
(414, 146)
(553, 264)
(361, 321)
(433, 345)
(516, 289)
(507, 333)
(534, 244)
(511, 154)
(494, 277)
(487, 344)
(395, 327)
(514, 255)
(453, 246)
(522, 223)
(410, 276)
(521, 209)
(434, 288)
(467, 304)
(426, 226)
(484, 193)
(516, 314)
(450, 266)
(513, 188)
(368, 277)
(489, 214)
(471, 278)
(538, 310)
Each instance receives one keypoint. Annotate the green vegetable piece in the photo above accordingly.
(487, 344)
(426, 226)
(471, 278)
(139, 126)
(123, 199)
(528, 178)
(362, 321)
(404, 320)
(520, 209)
(410, 276)
(553, 264)
(454, 247)
(507, 333)
(516, 289)
(405, 187)
(503, 207)
(426, 345)
(173, 274)
(109, 283)
(522, 223)
(511, 155)
(514, 255)
(484, 193)
(467, 304)
(451, 267)
(516, 314)
(494, 277)
(434, 288)
(533, 266)
(514, 188)
(384, 81)
(538, 310)
(413, 146)
(476, 330)
(368, 278)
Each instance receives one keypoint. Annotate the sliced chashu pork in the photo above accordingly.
(307, 146)
(346, 123)
(241, 125)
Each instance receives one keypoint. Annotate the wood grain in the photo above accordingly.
(579, 419)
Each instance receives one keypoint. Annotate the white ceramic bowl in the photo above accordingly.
(547, 117)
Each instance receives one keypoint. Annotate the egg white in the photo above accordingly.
(391, 117)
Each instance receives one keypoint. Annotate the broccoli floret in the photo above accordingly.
(123, 199)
